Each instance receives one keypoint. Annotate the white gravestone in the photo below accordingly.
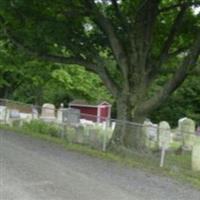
(48, 112)
(150, 133)
(164, 134)
(35, 113)
(164, 139)
(14, 114)
(187, 130)
(196, 156)
(60, 115)
(2, 113)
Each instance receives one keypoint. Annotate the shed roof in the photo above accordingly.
(86, 103)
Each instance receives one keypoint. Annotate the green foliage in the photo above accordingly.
(185, 102)
(41, 127)
(47, 28)
(76, 83)
(39, 82)
(93, 136)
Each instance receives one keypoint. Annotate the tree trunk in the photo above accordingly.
(123, 115)
(4, 92)
(128, 131)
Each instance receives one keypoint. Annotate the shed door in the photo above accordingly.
(104, 111)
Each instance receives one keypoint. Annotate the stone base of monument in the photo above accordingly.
(48, 119)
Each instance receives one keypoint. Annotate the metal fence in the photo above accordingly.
(145, 141)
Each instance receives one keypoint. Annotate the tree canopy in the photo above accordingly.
(129, 44)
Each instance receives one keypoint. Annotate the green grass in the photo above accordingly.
(176, 166)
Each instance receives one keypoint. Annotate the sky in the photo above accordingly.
(197, 10)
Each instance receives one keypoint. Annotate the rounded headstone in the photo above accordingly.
(187, 130)
(149, 131)
(2, 112)
(48, 112)
(164, 134)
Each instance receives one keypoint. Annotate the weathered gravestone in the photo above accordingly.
(14, 117)
(187, 130)
(2, 113)
(164, 139)
(48, 112)
(196, 156)
(164, 134)
(14, 114)
(35, 113)
(150, 133)
(62, 114)
(71, 115)
(60, 117)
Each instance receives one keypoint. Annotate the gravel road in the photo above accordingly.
(33, 169)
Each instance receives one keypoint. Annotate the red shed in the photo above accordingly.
(95, 112)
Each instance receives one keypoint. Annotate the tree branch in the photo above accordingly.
(116, 7)
(172, 34)
(107, 79)
(106, 26)
(178, 5)
(177, 79)
(145, 20)
(97, 68)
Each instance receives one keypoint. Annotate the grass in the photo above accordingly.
(176, 166)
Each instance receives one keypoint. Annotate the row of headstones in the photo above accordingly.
(70, 115)
(157, 135)
(161, 136)
(9, 115)
(48, 114)
(63, 114)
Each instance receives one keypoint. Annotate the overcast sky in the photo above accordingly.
(197, 10)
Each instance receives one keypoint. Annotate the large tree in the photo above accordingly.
(128, 43)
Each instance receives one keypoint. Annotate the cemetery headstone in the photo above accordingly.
(196, 155)
(60, 113)
(14, 117)
(164, 139)
(14, 114)
(34, 113)
(187, 130)
(2, 113)
(48, 112)
(150, 133)
(164, 134)
(71, 115)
